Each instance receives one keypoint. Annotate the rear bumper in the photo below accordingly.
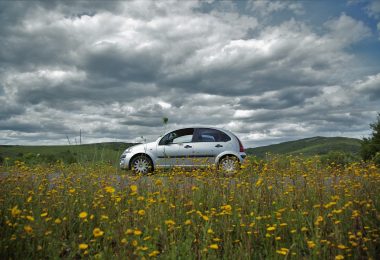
(242, 156)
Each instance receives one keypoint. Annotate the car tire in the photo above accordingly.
(141, 164)
(228, 165)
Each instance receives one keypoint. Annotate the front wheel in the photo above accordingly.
(229, 165)
(142, 164)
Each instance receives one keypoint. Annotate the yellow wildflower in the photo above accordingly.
(271, 228)
(28, 229)
(83, 214)
(226, 207)
(169, 222)
(214, 246)
(141, 212)
(129, 231)
(30, 218)
(311, 244)
(15, 211)
(97, 232)
(282, 251)
(133, 188)
(259, 182)
(154, 253)
(340, 246)
(109, 189)
(83, 246)
(318, 220)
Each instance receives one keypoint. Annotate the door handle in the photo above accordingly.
(218, 145)
(187, 146)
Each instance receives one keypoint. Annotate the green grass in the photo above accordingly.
(85, 153)
(310, 147)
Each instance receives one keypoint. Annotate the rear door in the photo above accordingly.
(208, 143)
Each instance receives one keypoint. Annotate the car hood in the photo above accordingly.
(142, 147)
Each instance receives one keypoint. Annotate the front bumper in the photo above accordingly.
(124, 161)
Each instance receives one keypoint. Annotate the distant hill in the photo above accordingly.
(310, 146)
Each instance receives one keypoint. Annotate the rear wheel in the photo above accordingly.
(142, 164)
(229, 165)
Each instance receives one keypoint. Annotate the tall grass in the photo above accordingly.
(293, 208)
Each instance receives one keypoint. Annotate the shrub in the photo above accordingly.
(338, 158)
(371, 145)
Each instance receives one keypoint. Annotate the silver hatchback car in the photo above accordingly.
(187, 147)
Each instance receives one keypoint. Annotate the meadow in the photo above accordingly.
(280, 208)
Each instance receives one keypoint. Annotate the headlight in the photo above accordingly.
(127, 151)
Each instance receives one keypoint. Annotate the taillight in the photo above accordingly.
(241, 147)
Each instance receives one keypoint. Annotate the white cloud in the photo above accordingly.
(369, 86)
(345, 30)
(373, 9)
(265, 8)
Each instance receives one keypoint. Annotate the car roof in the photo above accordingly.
(197, 126)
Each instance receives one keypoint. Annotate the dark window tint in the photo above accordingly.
(178, 136)
(211, 135)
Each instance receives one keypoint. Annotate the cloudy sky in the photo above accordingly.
(270, 71)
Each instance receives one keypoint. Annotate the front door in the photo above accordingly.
(175, 148)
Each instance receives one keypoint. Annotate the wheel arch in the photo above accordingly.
(140, 154)
(225, 154)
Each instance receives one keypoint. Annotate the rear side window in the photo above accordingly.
(210, 135)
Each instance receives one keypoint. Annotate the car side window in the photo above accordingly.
(210, 135)
(183, 139)
(224, 137)
(178, 136)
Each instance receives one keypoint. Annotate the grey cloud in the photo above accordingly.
(124, 65)
(152, 122)
(8, 110)
(106, 66)
(25, 127)
(285, 98)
